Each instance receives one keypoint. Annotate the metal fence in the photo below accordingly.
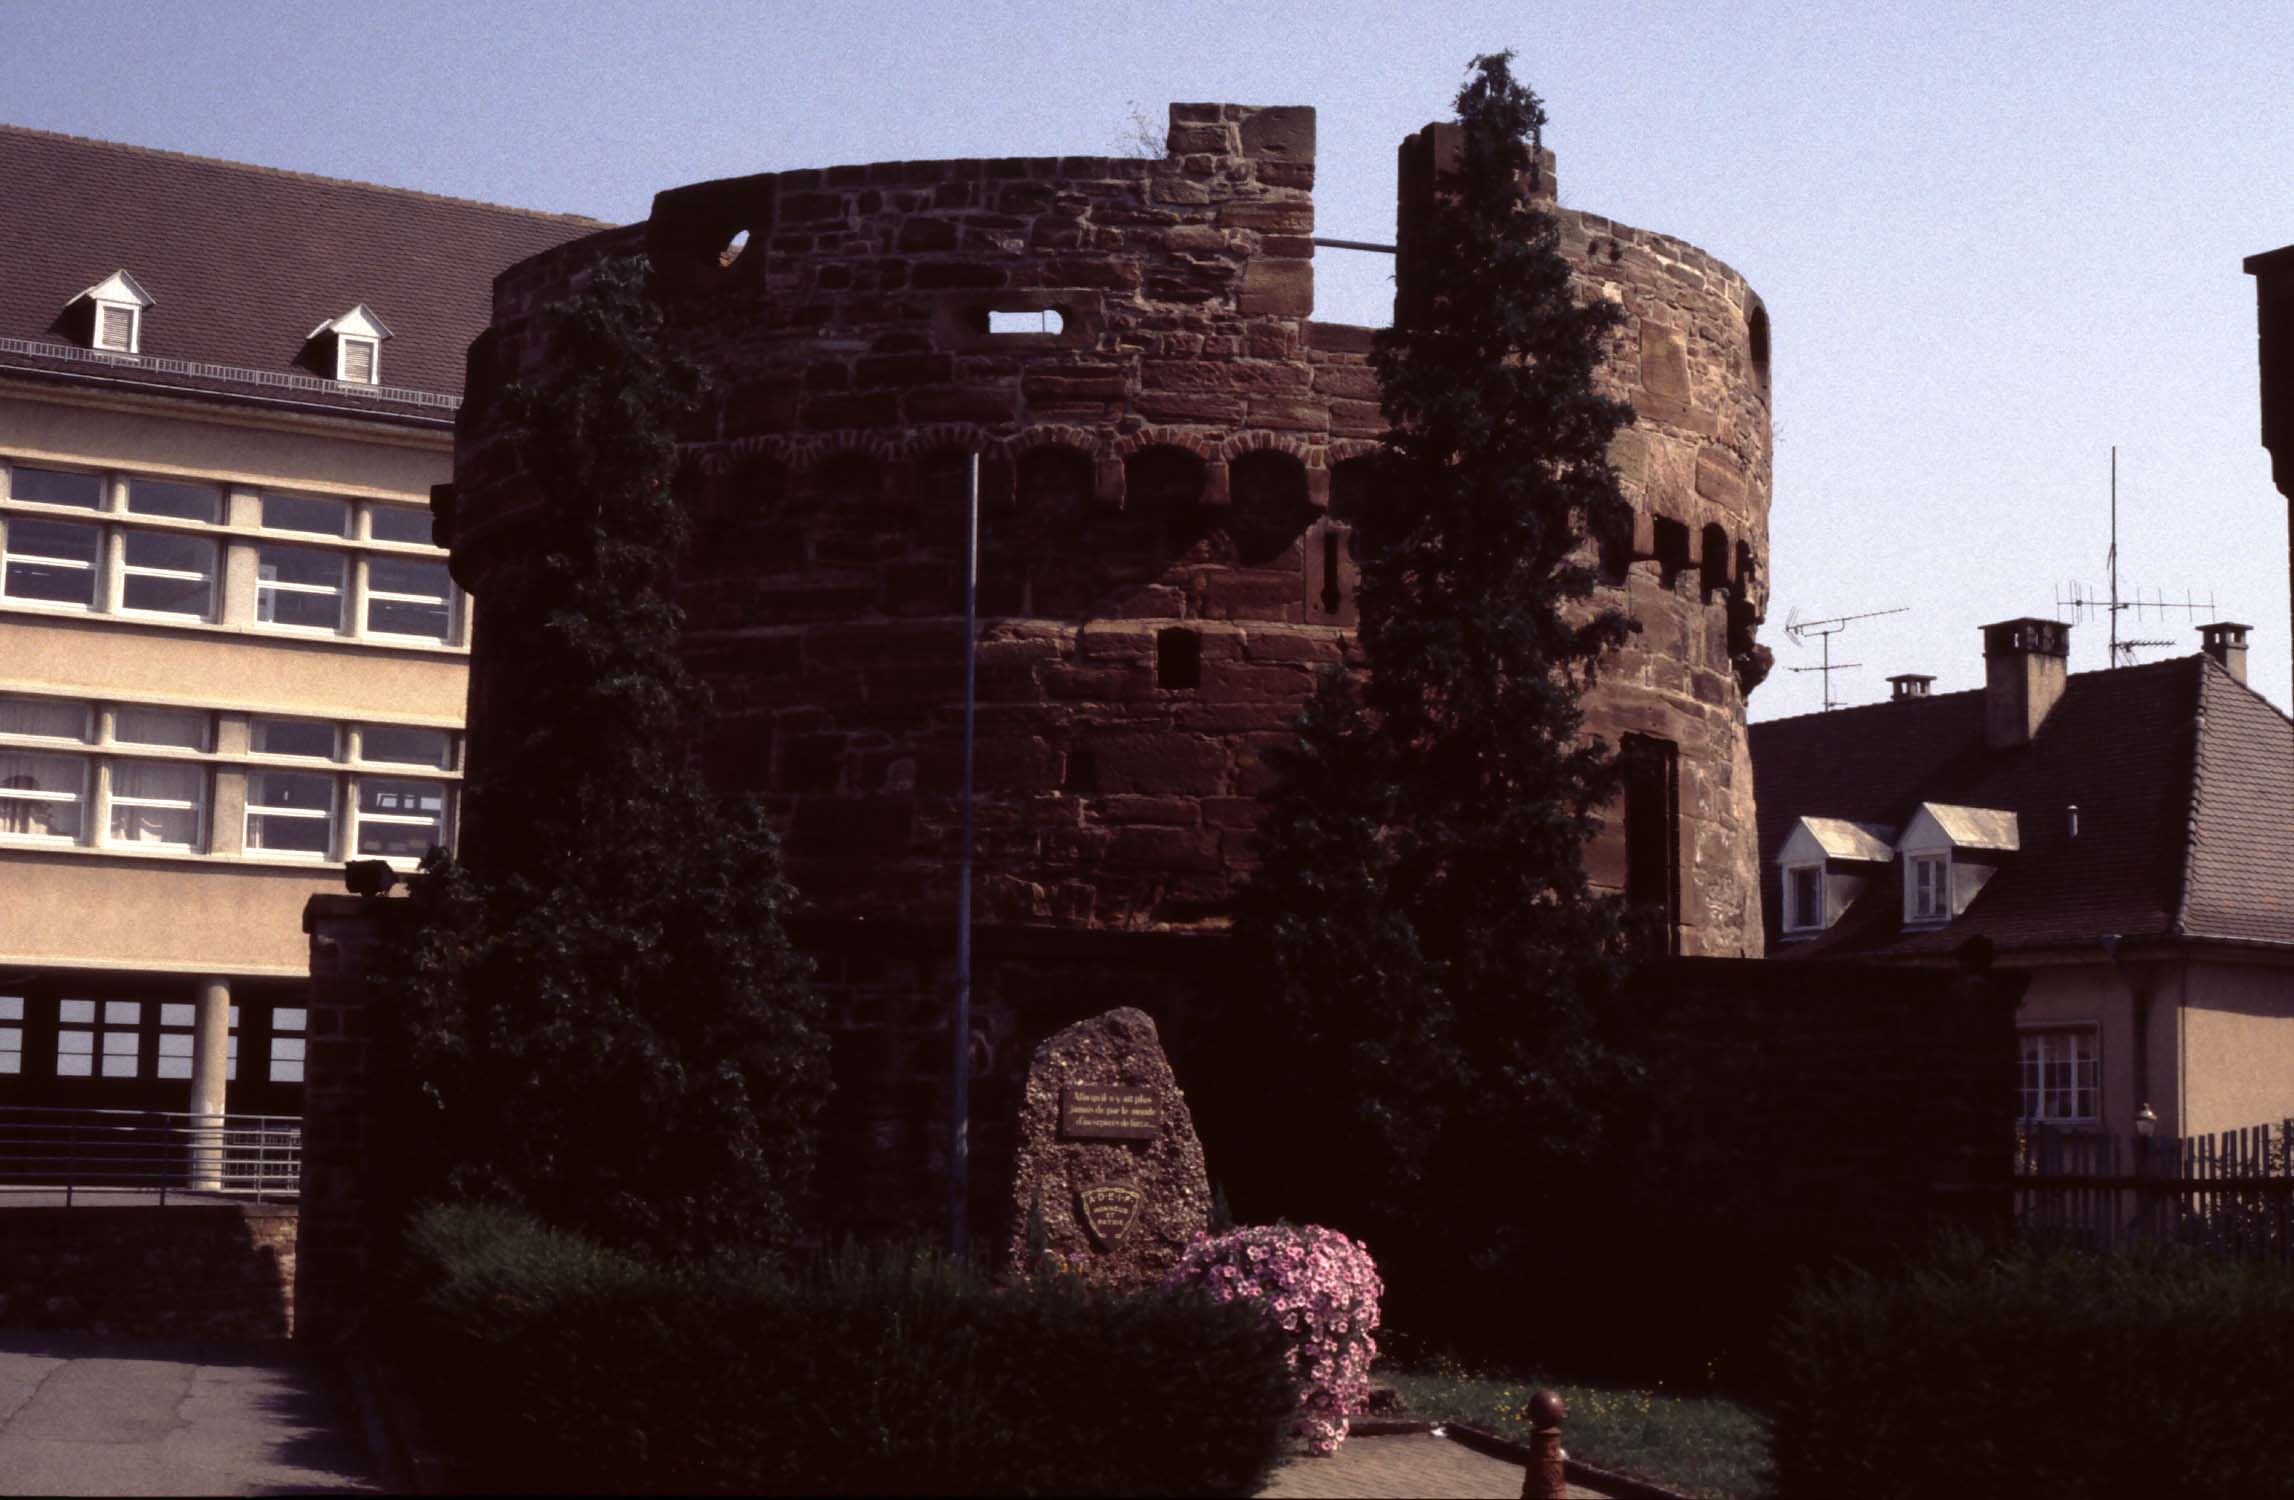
(2229, 1194)
(74, 1156)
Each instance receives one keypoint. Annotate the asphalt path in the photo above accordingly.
(89, 1415)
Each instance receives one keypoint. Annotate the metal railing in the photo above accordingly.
(201, 370)
(71, 1156)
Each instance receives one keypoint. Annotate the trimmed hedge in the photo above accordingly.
(2019, 1373)
(549, 1363)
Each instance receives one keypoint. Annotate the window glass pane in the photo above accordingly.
(75, 1041)
(164, 783)
(299, 586)
(405, 597)
(40, 794)
(293, 737)
(403, 746)
(173, 1067)
(358, 361)
(156, 803)
(289, 813)
(174, 574)
(54, 487)
(432, 622)
(276, 835)
(287, 1046)
(296, 513)
(73, 1067)
(11, 1007)
(122, 1012)
(398, 523)
(178, 1015)
(169, 827)
(289, 1018)
(115, 327)
(45, 717)
(51, 561)
(160, 497)
(275, 791)
(76, 1010)
(181, 728)
(400, 819)
(119, 1065)
(285, 1071)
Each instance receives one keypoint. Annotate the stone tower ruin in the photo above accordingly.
(1172, 450)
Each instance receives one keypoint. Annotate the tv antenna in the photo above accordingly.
(2082, 600)
(1800, 630)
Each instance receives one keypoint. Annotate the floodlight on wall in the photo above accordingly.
(2146, 1121)
(369, 877)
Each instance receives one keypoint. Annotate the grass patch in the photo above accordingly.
(1700, 1445)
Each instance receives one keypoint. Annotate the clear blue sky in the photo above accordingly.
(1995, 239)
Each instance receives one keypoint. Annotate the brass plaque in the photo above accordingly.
(1108, 1212)
(1108, 1112)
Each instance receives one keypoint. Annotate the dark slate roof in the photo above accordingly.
(242, 262)
(2183, 777)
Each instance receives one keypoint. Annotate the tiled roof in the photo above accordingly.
(241, 262)
(2183, 779)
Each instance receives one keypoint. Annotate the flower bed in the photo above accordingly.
(1322, 1290)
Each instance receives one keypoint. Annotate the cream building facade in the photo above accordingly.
(230, 657)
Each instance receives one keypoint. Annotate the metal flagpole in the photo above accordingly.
(960, 1146)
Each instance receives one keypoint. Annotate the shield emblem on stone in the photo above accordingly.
(1109, 1212)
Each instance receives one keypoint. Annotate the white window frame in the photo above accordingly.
(2086, 1073)
(1795, 919)
(374, 596)
(1941, 910)
(80, 799)
(343, 344)
(341, 591)
(360, 817)
(256, 809)
(103, 306)
(94, 567)
(196, 806)
(212, 578)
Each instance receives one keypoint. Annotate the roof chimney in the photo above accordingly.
(1910, 685)
(2023, 672)
(2225, 641)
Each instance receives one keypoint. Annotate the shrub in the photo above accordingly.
(599, 1016)
(1321, 1289)
(2020, 1373)
(550, 1363)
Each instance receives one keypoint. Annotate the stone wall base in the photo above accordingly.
(183, 1271)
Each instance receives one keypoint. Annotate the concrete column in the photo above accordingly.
(210, 1064)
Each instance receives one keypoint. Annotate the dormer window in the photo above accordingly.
(115, 313)
(1929, 884)
(357, 338)
(1950, 854)
(1804, 898)
(1827, 863)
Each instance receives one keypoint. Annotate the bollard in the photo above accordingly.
(1545, 1478)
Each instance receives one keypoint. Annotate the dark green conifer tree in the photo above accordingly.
(1434, 971)
(601, 1018)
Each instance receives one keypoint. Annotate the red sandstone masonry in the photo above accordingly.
(1178, 460)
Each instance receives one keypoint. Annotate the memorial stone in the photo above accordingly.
(1108, 1149)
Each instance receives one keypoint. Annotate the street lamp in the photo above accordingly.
(2146, 1121)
